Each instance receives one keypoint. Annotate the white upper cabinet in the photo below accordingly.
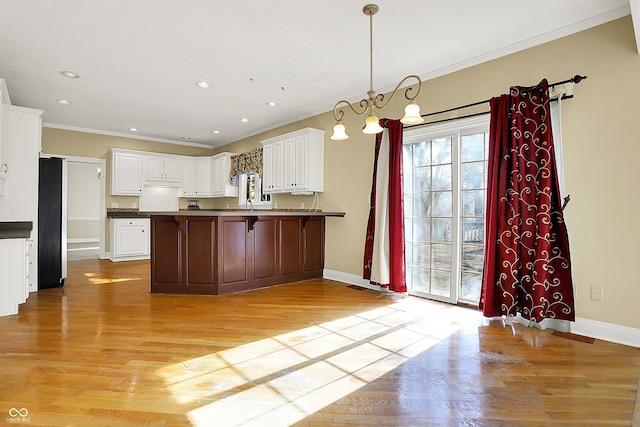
(126, 172)
(4, 166)
(188, 177)
(221, 170)
(273, 168)
(301, 164)
(196, 177)
(203, 177)
(162, 170)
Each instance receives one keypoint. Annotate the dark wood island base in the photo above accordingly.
(196, 253)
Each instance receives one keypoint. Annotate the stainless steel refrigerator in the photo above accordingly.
(52, 222)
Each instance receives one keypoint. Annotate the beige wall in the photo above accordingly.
(83, 144)
(600, 146)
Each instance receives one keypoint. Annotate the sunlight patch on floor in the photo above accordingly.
(283, 379)
(96, 279)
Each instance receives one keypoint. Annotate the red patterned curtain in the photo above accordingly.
(384, 256)
(527, 268)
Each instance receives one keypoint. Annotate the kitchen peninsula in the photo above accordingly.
(221, 252)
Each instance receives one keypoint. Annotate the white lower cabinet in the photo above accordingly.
(14, 280)
(130, 239)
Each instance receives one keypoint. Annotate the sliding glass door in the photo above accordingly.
(445, 169)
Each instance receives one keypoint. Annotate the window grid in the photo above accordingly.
(445, 186)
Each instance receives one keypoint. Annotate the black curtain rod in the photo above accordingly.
(472, 115)
(575, 79)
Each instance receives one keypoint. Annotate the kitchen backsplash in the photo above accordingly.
(159, 199)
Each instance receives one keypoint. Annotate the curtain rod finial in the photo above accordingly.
(578, 78)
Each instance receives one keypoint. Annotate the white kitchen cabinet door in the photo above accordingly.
(14, 277)
(273, 168)
(302, 162)
(129, 238)
(221, 169)
(290, 165)
(126, 173)
(4, 166)
(188, 177)
(173, 169)
(197, 180)
(162, 170)
(203, 176)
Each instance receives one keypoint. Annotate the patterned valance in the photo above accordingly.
(249, 162)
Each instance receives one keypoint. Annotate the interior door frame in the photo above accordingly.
(102, 164)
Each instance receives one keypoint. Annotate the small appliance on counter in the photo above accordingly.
(193, 205)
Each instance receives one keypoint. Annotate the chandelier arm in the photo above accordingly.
(378, 101)
(338, 113)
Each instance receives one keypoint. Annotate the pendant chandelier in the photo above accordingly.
(368, 105)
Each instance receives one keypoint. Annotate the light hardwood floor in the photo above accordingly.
(102, 351)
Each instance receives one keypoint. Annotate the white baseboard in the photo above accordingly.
(591, 328)
(128, 258)
(352, 279)
(607, 331)
(87, 240)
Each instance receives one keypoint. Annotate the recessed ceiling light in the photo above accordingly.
(272, 103)
(133, 129)
(63, 102)
(186, 138)
(203, 85)
(216, 132)
(70, 74)
(244, 120)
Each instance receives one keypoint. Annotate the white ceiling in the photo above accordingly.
(139, 60)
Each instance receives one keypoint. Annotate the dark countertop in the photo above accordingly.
(247, 212)
(15, 229)
(135, 213)
(126, 213)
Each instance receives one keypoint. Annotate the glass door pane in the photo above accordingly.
(445, 174)
(428, 198)
(473, 177)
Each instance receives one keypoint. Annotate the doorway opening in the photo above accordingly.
(86, 213)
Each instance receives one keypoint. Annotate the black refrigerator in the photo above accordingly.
(52, 222)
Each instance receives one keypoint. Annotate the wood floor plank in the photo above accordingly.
(103, 351)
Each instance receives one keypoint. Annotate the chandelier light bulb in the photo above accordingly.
(339, 132)
(412, 114)
(379, 102)
(371, 125)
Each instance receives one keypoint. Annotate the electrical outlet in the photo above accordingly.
(114, 205)
(302, 205)
(596, 293)
(134, 205)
